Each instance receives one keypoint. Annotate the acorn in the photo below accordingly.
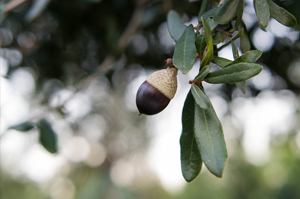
(156, 91)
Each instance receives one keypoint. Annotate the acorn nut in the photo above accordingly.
(156, 91)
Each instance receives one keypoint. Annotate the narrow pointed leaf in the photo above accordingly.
(239, 16)
(210, 139)
(240, 33)
(220, 61)
(203, 8)
(212, 25)
(250, 56)
(200, 98)
(244, 39)
(175, 25)
(191, 162)
(219, 37)
(228, 11)
(185, 50)
(281, 15)
(208, 38)
(241, 85)
(203, 73)
(234, 73)
(262, 13)
(200, 44)
(48, 137)
(23, 127)
(235, 50)
(209, 13)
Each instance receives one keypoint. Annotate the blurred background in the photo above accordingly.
(79, 63)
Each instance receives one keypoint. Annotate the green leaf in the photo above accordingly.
(203, 8)
(233, 73)
(175, 25)
(241, 85)
(210, 140)
(212, 25)
(239, 16)
(240, 33)
(200, 44)
(249, 56)
(203, 73)
(220, 61)
(200, 97)
(235, 50)
(281, 15)
(23, 127)
(262, 13)
(209, 13)
(193, 0)
(191, 162)
(244, 40)
(48, 137)
(228, 11)
(219, 37)
(185, 50)
(208, 38)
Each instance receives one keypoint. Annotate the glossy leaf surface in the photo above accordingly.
(208, 38)
(234, 73)
(210, 139)
(228, 11)
(281, 15)
(185, 50)
(200, 97)
(200, 44)
(262, 13)
(175, 25)
(203, 73)
(191, 162)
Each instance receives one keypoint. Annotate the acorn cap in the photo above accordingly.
(156, 92)
(165, 81)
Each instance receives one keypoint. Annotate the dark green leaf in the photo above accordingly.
(219, 37)
(203, 73)
(249, 56)
(200, 44)
(191, 162)
(212, 25)
(235, 50)
(48, 137)
(240, 33)
(239, 17)
(262, 13)
(241, 85)
(175, 25)
(209, 13)
(233, 73)
(23, 127)
(203, 8)
(193, 0)
(281, 15)
(200, 97)
(185, 50)
(210, 140)
(244, 41)
(220, 61)
(208, 38)
(228, 11)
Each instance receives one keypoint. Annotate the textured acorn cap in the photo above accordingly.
(165, 81)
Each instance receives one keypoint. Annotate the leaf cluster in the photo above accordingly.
(202, 139)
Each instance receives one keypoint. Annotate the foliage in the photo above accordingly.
(204, 128)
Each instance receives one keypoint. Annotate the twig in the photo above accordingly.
(13, 4)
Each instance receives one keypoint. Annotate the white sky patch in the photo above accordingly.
(269, 113)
